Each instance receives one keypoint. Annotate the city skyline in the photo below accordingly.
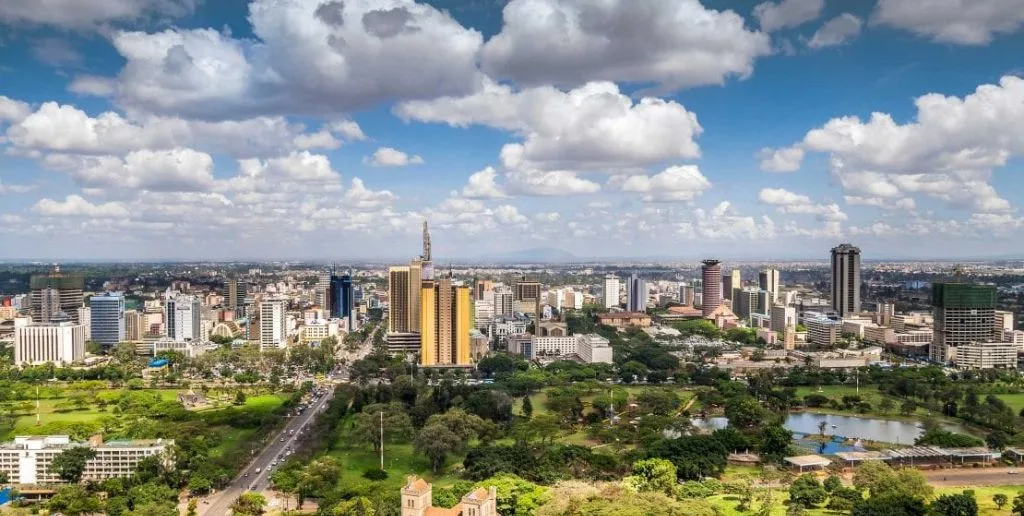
(153, 132)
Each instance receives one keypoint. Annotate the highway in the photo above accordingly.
(219, 504)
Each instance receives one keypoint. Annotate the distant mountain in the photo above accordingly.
(533, 255)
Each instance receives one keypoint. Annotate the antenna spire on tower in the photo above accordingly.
(426, 241)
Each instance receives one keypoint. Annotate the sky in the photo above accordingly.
(331, 129)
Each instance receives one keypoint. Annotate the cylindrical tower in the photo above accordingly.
(711, 292)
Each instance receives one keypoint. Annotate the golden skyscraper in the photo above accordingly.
(398, 300)
(446, 314)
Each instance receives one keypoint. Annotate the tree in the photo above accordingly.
(844, 499)
(93, 348)
(1018, 503)
(832, 483)
(890, 505)
(515, 495)
(249, 504)
(70, 463)
(436, 441)
(744, 412)
(886, 405)
(1000, 500)
(527, 407)
(962, 504)
(659, 402)
(366, 425)
(774, 442)
(652, 475)
(239, 398)
(908, 407)
(192, 506)
(997, 440)
(317, 478)
(807, 491)
(358, 506)
(74, 500)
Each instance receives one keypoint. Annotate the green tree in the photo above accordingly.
(1018, 504)
(807, 491)
(832, 483)
(93, 348)
(659, 402)
(890, 505)
(962, 504)
(652, 475)
(239, 398)
(192, 506)
(744, 412)
(70, 463)
(73, 500)
(436, 441)
(886, 405)
(249, 504)
(366, 425)
(358, 506)
(844, 499)
(774, 442)
(515, 495)
(1000, 500)
(527, 407)
(318, 478)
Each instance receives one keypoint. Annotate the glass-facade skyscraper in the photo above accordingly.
(107, 319)
(342, 298)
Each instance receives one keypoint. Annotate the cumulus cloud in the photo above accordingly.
(507, 214)
(674, 184)
(787, 159)
(361, 198)
(13, 110)
(390, 157)
(76, 14)
(483, 185)
(948, 152)
(93, 85)
(788, 202)
(171, 170)
(905, 203)
(594, 126)
(312, 57)
(76, 206)
(298, 171)
(837, 31)
(669, 43)
(787, 14)
(725, 222)
(963, 22)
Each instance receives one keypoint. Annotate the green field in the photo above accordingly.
(727, 503)
(867, 393)
(399, 460)
(539, 398)
(1015, 401)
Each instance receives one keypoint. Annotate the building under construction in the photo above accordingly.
(54, 293)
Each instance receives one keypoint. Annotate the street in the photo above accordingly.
(219, 503)
(968, 477)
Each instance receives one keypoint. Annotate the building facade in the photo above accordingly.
(768, 280)
(27, 460)
(964, 314)
(50, 294)
(846, 280)
(58, 342)
(711, 289)
(732, 283)
(342, 299)
(107, 323)
(182, 316)
(273, 324)
(134, 325)
(611, 291)
(447, 315)
(636, 294)
(987, 355)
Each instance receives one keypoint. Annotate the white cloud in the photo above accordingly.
(322, 139)
(788, 202)
(172, 170)
(390, 157)
(507, 214)
(837, 31)
(947, 152)
(349, 130)
(76, 206)
(93, 85)
(359, 197)
(548, 183)
(549, 217)
(78, 14)
(65, 128)
(298, 171)
(592, 127)
(786, 14)
(670, 43)
(724, 222)
(483, 185)
(964, 22)
(787, 159)
(13, 110)
(674, 184)
(905, 203)
(15, 189)
(312, 57)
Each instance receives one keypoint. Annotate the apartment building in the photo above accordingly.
(27, 459)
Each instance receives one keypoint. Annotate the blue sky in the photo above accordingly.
(184, 129)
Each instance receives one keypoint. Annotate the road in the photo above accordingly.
(220, 503)
(364, 349)
(965, 477)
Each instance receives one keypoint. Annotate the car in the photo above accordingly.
(1012, 472)
(246, 475)
(282, 439)
(252, 487)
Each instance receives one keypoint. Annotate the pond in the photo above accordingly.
(854, 427)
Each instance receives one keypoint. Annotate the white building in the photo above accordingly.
(611, 291)
(1016, 337)
(26, 460)
(60, 342)
(783, 317)
(182, 316)
(319, 329)
(987, 355)
(504, 304)
(1003, 321)
(821, 330)
(593, 349)
(273, 324)
(483, 313)
(554, 346)
(190, 349)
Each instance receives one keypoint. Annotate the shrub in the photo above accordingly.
(375, 474)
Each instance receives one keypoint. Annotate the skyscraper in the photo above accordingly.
(134, 325)
(56, 292)
(322, 291)
(107, 324)
(526, 295)
(273, 324)
(398, 299)
(768, 280)
(732, 284)
(711, 290)
(181, 316)
(636, 294)
(846, 279)
(611, 291)
(964, 314)
(343, 299)
(447, 315)
(504, 305)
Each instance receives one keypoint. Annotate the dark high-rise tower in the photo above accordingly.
(343, 299)
(54, 293)
(711, 286)
(964, 314)
(846, 279)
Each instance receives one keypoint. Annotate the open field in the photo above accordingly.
(1015, 401)
(727, 503)
(868, 393)
(538, 399)
(399, 460)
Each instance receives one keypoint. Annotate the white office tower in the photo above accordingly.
(768, 280)
(59, 342)
(503, 302)
(611, 291)
(636, 294)
(273, 324)
(182, 316)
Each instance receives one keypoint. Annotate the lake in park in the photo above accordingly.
(853, 427)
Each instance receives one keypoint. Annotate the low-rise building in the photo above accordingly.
(418, 500)
(822, 330)
(625, 319)
(593, 349)
(987, 355)
(59, 342)
(27, 459)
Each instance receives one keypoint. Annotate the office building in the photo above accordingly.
(61, 341)
(822, 330)
(342, 299)
(636, 294)
(504, 304)
(322, 290)
(731, 284)
(744, 303)
(964, 314)
(526, 297)
(234, 294)
(987, 355)
(182, 315)
(403, 342)
(783, 317)
(483, 314)
(426, 260)
(611, 291)
(554, 346)
(106, 323)
(1003, 321)
(846, 280)
(593, 349)
(27, 459)
(447, 316)
(84, 317)
(711, 290)
(483, 289)
(56, 292)
(764, 302)
(685, 294)
(768, 280)
(134, 325)
(273, 324)
(403, 310)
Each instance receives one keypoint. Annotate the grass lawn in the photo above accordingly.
(986, 507)
(1015, 401)
(868, 393)
(632, 391)
(399, 460)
